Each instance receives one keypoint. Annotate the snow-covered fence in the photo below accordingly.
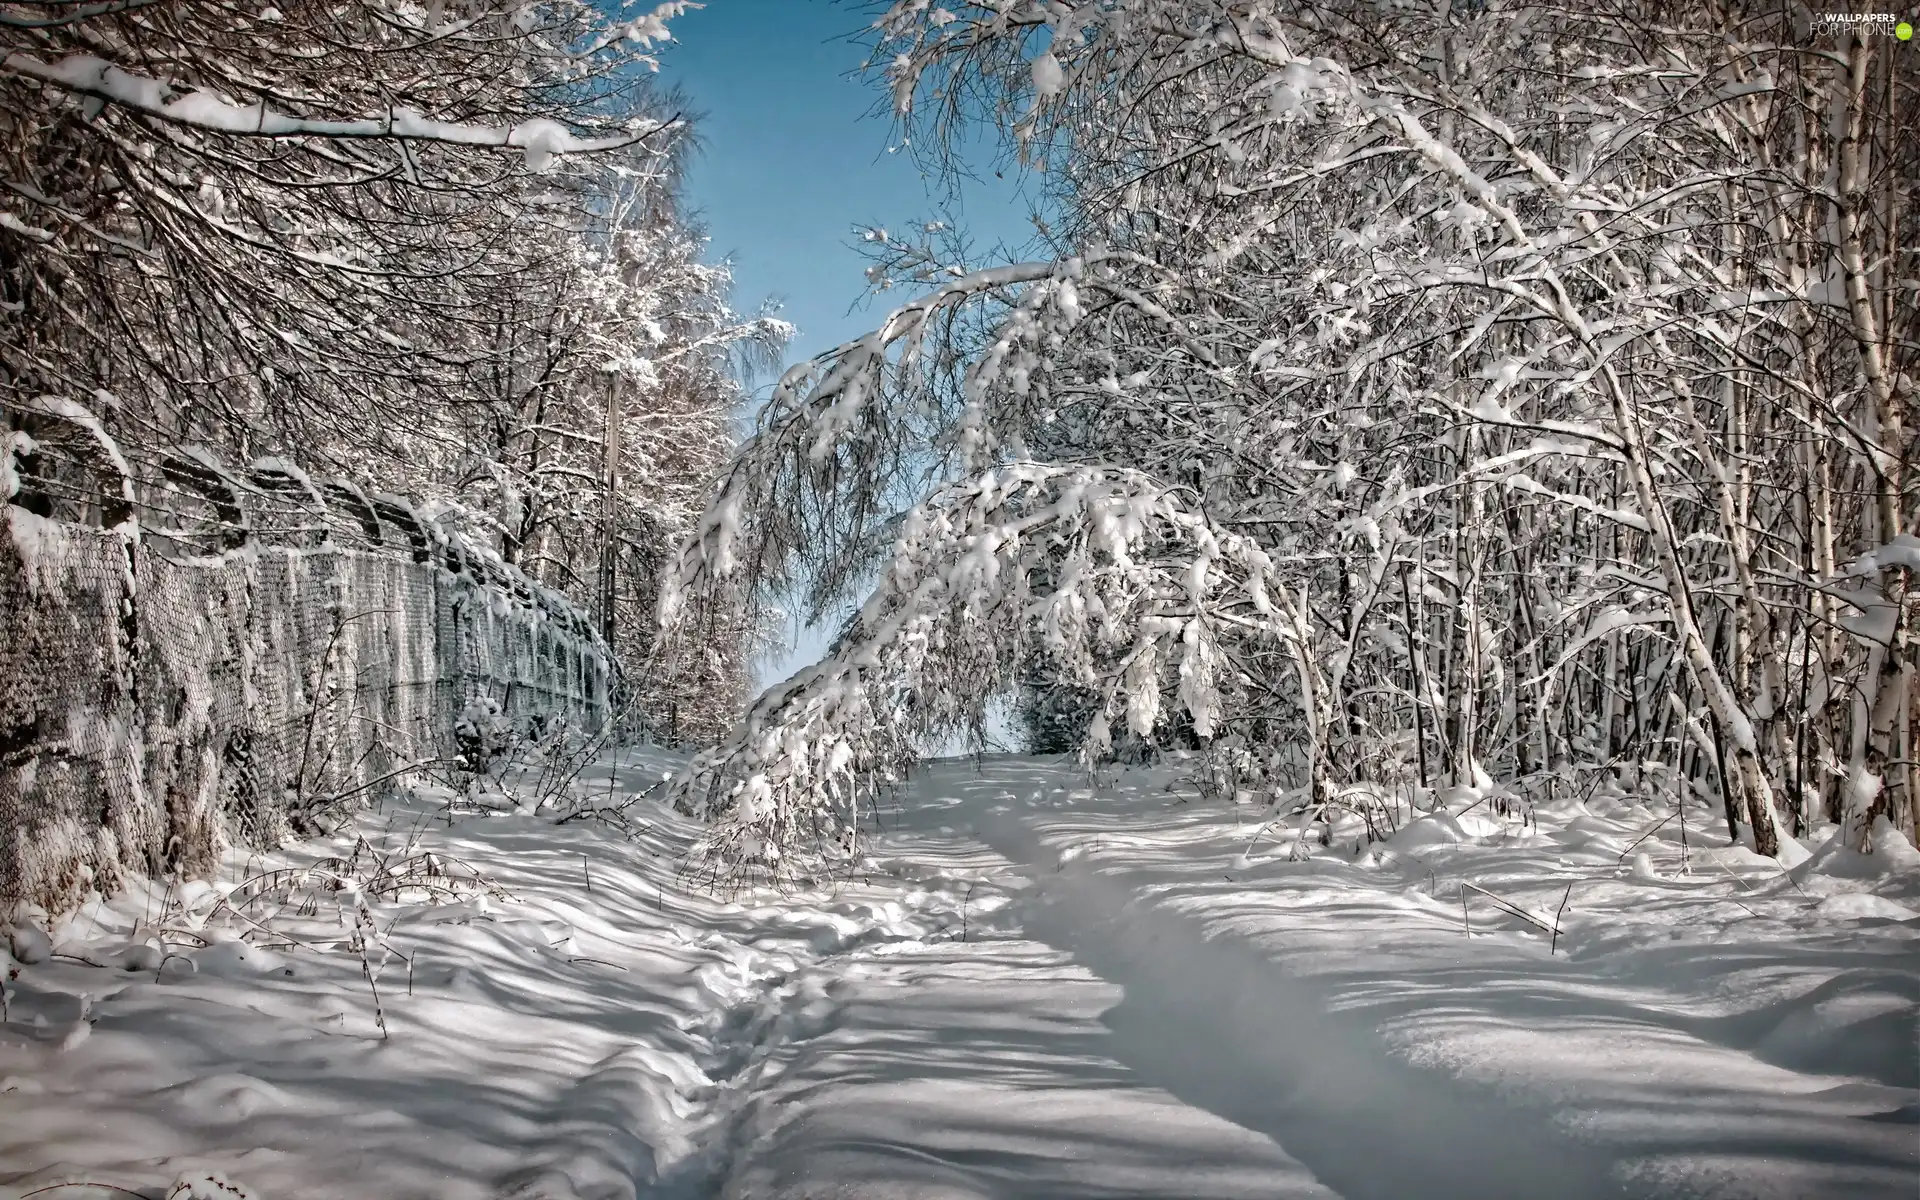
(193, 655)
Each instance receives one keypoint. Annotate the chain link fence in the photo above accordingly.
(193, 655)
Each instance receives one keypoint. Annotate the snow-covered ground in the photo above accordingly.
(1042, 987)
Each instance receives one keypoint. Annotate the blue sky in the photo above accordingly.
(793, 158)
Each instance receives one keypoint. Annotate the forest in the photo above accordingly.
(1406, 400)
(440, 254)
(1437, 484)
(1415, 399)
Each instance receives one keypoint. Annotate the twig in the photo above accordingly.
(1739, 882)
(1507, 905)
(1643, 837)
(1680, 810)
(350, 793)
(1781, 867)
(1557, 913)
(312, 718)
(362, 926)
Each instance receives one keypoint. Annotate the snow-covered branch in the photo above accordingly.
(202, 109)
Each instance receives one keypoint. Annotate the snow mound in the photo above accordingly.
(228, 1097)
(1860, 1026)
(137, 956)
(29, 945)
(1438, 829)
(1855, 906)
(1892, 855)
(236, 959)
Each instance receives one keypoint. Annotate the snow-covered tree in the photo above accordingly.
(435, 248)
(1462, 399)
(604, 418)
(277, 225)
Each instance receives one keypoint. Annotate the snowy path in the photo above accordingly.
(1295, 1000)
(1042, 990)
(984, 1069)
(978, 1063)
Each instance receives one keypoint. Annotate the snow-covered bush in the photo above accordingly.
(481, 735)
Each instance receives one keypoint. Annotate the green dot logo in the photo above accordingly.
(1903, 31)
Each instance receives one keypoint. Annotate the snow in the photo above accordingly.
(1037, 985)
(542, 139)
(79, 414)
(1902, 551)
(288, 469)
(87, 75)
(1879, 617)
(14, 446)
(10, 222)
(43, 546)
(1049, 78)
(28, 945)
